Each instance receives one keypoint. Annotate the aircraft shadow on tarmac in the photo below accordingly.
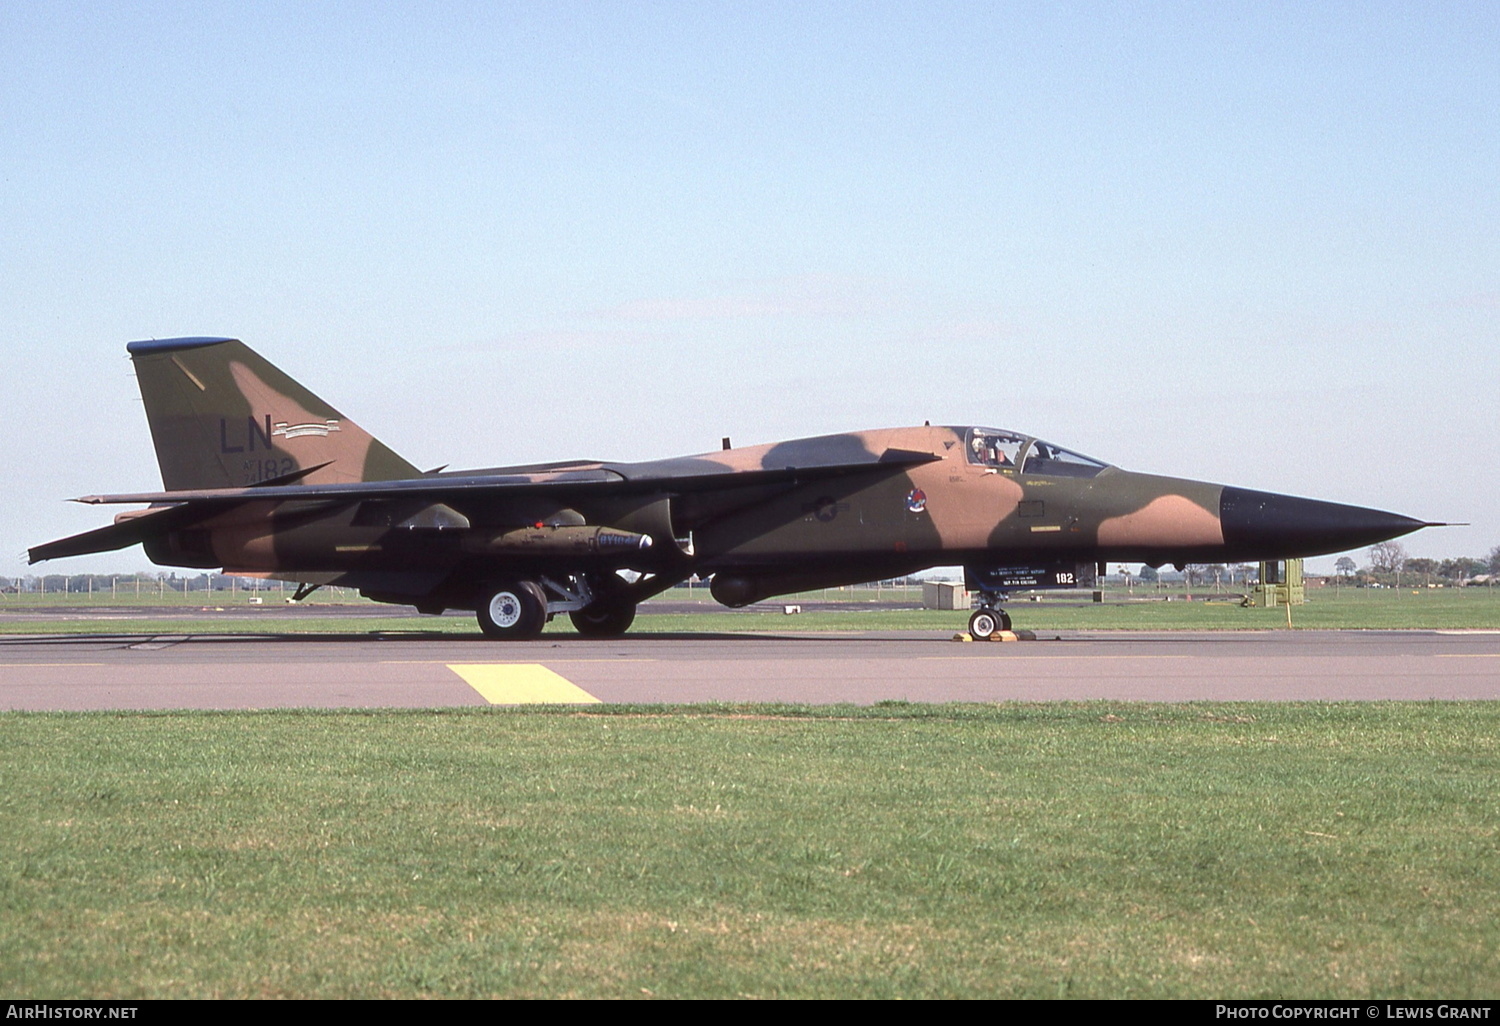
(510, 651)
(400, 637)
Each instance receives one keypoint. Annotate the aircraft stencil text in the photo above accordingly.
(253, 431)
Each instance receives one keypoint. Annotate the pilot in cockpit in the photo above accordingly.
(987, 451)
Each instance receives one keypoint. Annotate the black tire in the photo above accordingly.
(603, 621)
(512, 611)
(983, 624)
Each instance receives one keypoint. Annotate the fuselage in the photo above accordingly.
(984, 497)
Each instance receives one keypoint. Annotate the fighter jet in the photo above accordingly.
(261, 477)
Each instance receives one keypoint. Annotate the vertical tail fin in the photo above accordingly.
(222, 416)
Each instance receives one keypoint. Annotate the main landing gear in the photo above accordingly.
(513, 611)
(603, 622)
(987, 621)
(517, 610)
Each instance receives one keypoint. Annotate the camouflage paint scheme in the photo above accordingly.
(263, 477)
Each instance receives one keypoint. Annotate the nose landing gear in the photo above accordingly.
(989, 619)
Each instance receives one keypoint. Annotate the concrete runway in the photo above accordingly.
(422, 670)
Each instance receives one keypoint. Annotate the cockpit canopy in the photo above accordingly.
(1006, 450)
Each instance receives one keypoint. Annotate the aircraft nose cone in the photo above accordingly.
(1270, 526)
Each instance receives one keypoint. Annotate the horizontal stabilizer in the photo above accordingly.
(122, 534)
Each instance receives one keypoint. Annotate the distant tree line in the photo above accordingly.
(1390, 566)
(1194, 575)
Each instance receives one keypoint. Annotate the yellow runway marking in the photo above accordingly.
(521, 684)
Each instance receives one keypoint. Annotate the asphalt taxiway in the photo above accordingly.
(367, 670)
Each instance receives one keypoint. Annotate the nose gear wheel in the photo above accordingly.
(985, 623)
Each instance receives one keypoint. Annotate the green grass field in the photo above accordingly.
(1077, 850)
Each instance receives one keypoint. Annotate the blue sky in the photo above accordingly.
(1254, 243)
